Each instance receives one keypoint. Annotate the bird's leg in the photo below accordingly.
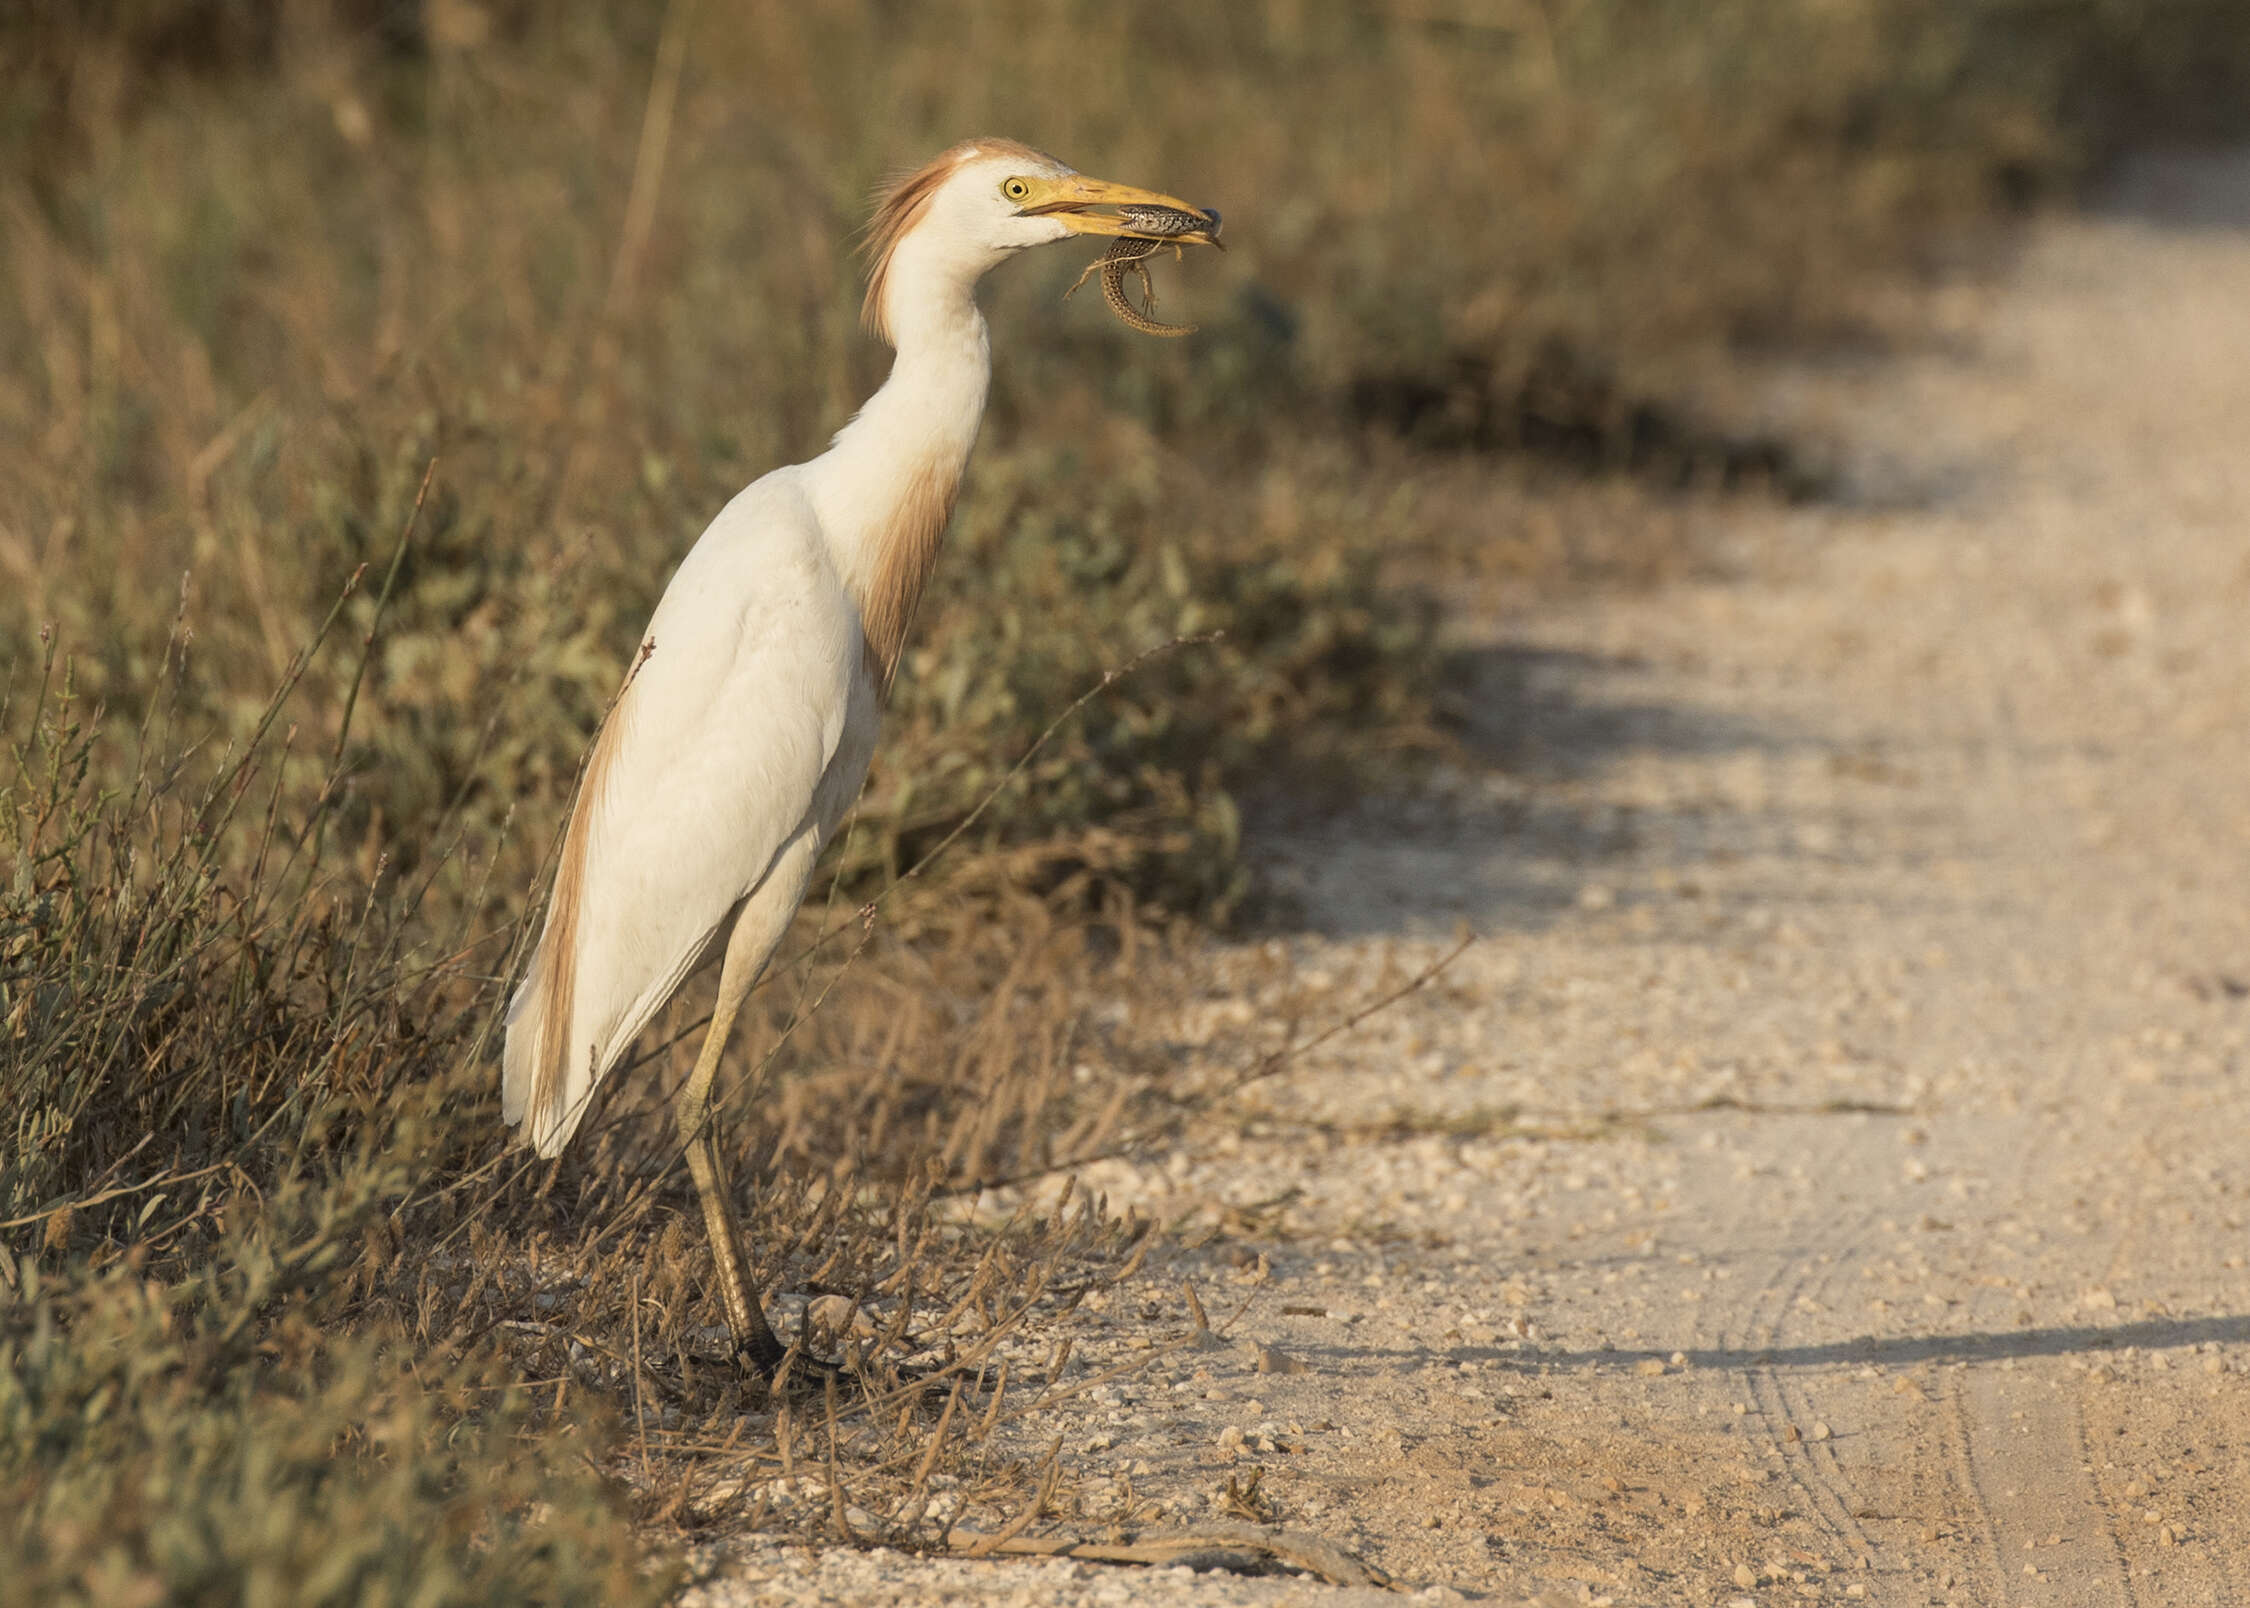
(754, 1339)
(758, 927)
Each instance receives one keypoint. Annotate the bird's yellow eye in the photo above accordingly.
(1016, 189)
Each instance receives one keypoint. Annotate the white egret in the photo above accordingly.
(749, 715)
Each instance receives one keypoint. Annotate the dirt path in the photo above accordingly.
(1828, 1178)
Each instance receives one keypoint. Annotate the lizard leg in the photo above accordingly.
(1092, 269)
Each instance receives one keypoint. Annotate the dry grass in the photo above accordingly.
(275, 1294)
(276, 1279)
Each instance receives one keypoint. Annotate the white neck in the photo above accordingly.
(912, 435)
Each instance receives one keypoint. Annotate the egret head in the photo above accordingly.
(939, 229)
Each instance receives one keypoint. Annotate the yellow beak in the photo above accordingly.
(1133, 213)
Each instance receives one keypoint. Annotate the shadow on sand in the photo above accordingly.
(1893, 1351)
(1519, 833)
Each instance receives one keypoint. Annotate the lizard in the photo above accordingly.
(1130, 254)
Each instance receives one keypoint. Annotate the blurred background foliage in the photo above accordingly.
(261, 261)
(264, 258)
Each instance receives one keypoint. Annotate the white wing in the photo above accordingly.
(709, 763)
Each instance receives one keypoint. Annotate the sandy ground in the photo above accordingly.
(1827, 1178)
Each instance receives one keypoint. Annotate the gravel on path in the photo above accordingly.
(1827, 1178)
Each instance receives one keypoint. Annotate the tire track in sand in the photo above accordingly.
(1934, 800)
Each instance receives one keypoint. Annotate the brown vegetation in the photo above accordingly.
(269, 1271)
